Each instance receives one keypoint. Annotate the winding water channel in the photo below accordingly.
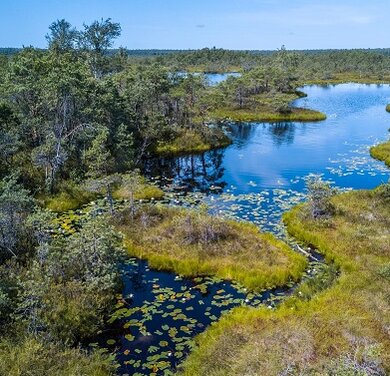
(260, 176)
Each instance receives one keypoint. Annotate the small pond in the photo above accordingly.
(213, 78)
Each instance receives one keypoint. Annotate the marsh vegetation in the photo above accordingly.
(78, 124)
(350, 312)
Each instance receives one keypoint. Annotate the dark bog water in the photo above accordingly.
(160, 313)
(257, 178)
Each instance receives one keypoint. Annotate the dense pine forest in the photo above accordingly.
(78, 122)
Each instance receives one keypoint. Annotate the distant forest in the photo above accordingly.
(161, 52)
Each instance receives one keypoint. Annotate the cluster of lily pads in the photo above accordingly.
(159, 313)
(358, 161)
(157, 316)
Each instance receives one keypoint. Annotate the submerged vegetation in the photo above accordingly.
(195, 244)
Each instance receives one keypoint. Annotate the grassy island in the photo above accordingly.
(188, 142)
(268, 106)
(194, 244)
(349, 77)
(388, 108)
(248, 115)
(338, 330)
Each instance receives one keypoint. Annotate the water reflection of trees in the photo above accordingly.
(199, 172)
(241, 133)
(205, 171)
(282, 133)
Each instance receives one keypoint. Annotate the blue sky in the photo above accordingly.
(233, 24)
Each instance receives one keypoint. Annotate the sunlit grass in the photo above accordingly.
(339, 329)
(144, 191)
(381, 152)
(192, 142)
(193, 244)
(30, 356)
(70, 197)
(244, 115)
(348, 77)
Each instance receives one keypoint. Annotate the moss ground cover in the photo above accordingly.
(193, 244)
(340, 331)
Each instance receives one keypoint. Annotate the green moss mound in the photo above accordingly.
(193, 244)
(193, 142)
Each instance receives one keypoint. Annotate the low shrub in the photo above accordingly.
(30, 356)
